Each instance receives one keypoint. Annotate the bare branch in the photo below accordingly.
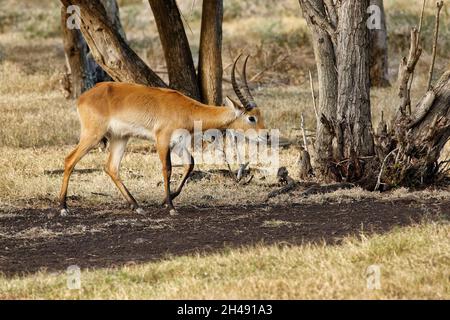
(410, 83)
(439, 6)
(406, 70)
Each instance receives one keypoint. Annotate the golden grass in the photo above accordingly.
(413, 262)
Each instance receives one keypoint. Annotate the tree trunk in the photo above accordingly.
(210, 56)
(341, 40)
(83, 72)
(177, 52)
(79, 72)
(112, 11)
(353, 105)
(109, 48)
(327, 74)
(379, 67)
(408, 154)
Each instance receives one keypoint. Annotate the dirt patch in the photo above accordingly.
(34, 239)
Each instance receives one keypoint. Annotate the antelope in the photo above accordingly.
(118, 111)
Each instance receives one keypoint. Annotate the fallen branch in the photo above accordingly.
(79, 171)
(327, 189)
(284, 178)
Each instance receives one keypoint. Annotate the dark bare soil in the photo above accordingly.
(34, 239)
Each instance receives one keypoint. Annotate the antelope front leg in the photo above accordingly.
(162, 145)
(188, 167)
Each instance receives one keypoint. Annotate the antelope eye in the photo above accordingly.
(251, 119)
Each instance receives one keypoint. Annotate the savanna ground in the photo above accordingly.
(228, 241)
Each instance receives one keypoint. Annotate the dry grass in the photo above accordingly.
(413, 262)
(39, 127)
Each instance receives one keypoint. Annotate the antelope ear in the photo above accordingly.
(230, 103)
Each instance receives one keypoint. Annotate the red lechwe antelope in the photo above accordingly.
(119, 111)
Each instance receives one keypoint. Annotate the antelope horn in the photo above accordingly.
(251, 103)
(236, 86)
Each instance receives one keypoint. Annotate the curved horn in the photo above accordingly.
(251, 103)
(236, 86)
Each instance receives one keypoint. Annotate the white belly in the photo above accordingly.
(124, 129)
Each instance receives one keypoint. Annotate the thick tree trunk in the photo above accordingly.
(79, 74)
(379, 67)
(112, 11)
(177, 52)
(327, 74)
(109, 48)
(354, 116)
(408, 154)
(341, 45)
(210, 56)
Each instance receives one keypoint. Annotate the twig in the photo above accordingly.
(313, 92)
(259, 74)
(302, 124)
(377, 186)
(439, 6)
(241, 171)
(421, 21)
(406, 70)
(326, 189)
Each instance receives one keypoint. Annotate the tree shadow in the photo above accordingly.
(35, 239)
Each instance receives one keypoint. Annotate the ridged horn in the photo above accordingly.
(236, 89)
(251, 101)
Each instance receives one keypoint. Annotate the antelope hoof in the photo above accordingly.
(64, 212)
(173, 212)
(140, 211)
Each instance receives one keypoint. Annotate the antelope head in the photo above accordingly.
(247, 112)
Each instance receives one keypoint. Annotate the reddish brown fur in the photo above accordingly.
(119, 111)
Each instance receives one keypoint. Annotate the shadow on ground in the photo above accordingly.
(32, 239)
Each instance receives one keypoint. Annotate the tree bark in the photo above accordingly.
(354, 114)
(83, 72)
(379, 67)
(341, 45)
(407, 154)
(210, 56)
(78, 69)
(112, 11)
(177, 52)
(432, 116)
(327, 75)
(109, 48)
